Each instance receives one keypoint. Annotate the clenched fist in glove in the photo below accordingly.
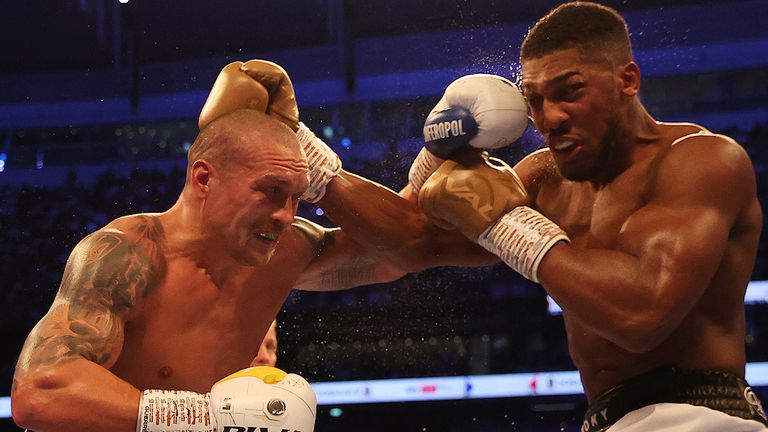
(256, 84)
(483, 198)
(265, 86)
(471, 192)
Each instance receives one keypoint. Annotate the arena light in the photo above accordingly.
(471, 387)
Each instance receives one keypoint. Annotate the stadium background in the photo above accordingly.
(98, 104)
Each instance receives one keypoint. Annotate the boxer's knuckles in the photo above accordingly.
(471, 192)
(233, 90)
(259, 85)
(282, 96)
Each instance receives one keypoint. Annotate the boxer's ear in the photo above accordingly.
(630, 79)
(200, 175)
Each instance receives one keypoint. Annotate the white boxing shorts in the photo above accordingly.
(672, 417)
(673, 399)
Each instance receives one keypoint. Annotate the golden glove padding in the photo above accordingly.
(256, 84)
(471, 192)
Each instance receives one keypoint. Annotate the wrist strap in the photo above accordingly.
(324, 163)
(174, 411)
(422, 167)
(521, 238)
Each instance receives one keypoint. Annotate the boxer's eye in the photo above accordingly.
(571, 92)
(268, 191)
(535, 101)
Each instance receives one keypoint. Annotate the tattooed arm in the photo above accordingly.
(338, 262)
(62, 382)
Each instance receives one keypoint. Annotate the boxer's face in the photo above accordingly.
(575, 104)
(267, 355)
(257, 201)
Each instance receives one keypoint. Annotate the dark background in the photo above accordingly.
(98, 103)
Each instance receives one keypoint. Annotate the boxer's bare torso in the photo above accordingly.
(164, 321)
(187, 329)
(619, 215)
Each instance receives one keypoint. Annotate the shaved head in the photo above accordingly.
(235, 137)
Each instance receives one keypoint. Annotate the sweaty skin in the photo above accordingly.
(663, 218)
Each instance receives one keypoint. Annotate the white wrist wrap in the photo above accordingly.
(521, 238)
(174, 411)
(324, 163)
(422, 167)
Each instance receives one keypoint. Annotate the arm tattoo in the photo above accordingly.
(354, 272)
(104, 277)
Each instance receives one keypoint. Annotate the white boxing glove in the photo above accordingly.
(253, 398)
(481, 111)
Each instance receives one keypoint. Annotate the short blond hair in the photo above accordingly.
(221, 142)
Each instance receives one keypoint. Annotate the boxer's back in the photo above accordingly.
(711, 335)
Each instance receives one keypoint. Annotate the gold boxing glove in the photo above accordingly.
(471, 192)
(256, 84)
(484, 199)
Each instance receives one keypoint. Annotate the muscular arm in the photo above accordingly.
(338, 262)
(391, 227)
(62, 382)
(667, 252)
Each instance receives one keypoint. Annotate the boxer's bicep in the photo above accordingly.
(103, 279)
(681, 235)
(666, 253)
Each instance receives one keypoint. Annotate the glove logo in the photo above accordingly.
(276, 407)
(442, 130)
(226, 404)
(469, 195)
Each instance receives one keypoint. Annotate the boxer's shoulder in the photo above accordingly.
(696, 146)
(134, 240)
(142, 227)
(538, 170)
(682, 137)
(119, 262)
(710, 163)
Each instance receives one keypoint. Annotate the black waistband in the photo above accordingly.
(718, 390)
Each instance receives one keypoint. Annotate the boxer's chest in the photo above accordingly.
(594, 217)
(192, 331)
